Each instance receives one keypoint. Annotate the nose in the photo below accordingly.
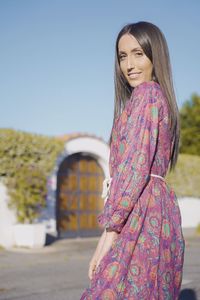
(130, 63)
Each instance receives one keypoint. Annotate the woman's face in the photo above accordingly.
(134, 64)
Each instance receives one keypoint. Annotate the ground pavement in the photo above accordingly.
(59, 271)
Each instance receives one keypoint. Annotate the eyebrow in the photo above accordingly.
(133, 50)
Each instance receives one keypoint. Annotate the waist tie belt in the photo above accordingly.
(107, 182)
(154, 175)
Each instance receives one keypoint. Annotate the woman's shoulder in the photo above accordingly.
(147, 87)
(148, 92)
(147, 96)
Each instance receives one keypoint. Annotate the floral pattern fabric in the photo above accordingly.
(146, 260)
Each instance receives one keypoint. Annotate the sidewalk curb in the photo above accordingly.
(59, 245)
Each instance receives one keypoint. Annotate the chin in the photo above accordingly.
(133, 84)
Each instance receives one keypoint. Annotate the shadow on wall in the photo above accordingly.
(188, 294)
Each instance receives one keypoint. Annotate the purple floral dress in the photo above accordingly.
(146, 260)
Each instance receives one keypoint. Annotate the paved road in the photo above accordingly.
(59, 271)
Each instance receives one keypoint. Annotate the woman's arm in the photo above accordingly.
(136, 152)
(100, 244)
(110, 238)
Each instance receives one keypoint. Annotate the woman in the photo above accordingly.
(141, 251)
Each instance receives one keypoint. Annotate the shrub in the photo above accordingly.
(27, 193)
(186, 176)
(26, 161)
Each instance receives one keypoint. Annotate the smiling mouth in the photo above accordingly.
(134, 75)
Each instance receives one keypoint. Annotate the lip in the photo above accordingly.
(134, 75)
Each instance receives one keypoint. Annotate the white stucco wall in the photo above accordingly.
(7, 219)
(90, 146)
(190, 211)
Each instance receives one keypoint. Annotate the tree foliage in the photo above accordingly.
(190, 126)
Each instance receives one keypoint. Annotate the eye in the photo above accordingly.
(138, 53)
(121, 57)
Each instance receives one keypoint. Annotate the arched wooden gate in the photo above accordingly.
(79, 188)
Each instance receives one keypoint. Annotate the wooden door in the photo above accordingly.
(79, 189)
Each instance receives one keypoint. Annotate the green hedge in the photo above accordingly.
(185, 179)
(26, 160)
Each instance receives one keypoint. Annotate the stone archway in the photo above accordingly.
(79, 188)
(87, 149)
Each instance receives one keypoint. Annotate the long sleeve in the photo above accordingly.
(137, 148)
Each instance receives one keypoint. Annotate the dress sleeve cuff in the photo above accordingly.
(101, 219)
(104, 223)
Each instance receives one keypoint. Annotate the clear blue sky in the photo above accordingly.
(57, 59)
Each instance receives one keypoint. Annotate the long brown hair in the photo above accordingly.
(154, 45)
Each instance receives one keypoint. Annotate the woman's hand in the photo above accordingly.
(92, 267)
(92, 264)
(110, 238)
(104, 244)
